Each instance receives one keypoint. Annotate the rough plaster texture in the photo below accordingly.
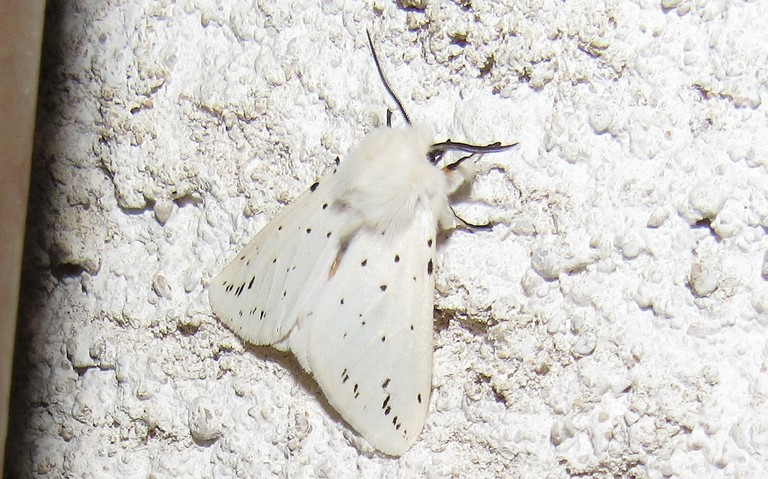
(612, 324)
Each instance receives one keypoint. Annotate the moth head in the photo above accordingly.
(429, 183)
(461, 170)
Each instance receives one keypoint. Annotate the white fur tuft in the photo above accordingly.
(388, 178)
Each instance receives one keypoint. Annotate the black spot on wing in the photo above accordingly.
(430, 267)
(383, 287)
(397, 258)
(314, 186)
(385, 405)
(364, 263)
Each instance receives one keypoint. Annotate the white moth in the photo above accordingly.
(343, 278)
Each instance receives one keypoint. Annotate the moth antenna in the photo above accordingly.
(437, 150)
(386, 83)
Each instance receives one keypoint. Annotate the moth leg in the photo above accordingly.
(470, 226)
(455, 164)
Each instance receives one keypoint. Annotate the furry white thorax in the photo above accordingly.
(388, 179)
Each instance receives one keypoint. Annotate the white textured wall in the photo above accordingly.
(612, 324)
